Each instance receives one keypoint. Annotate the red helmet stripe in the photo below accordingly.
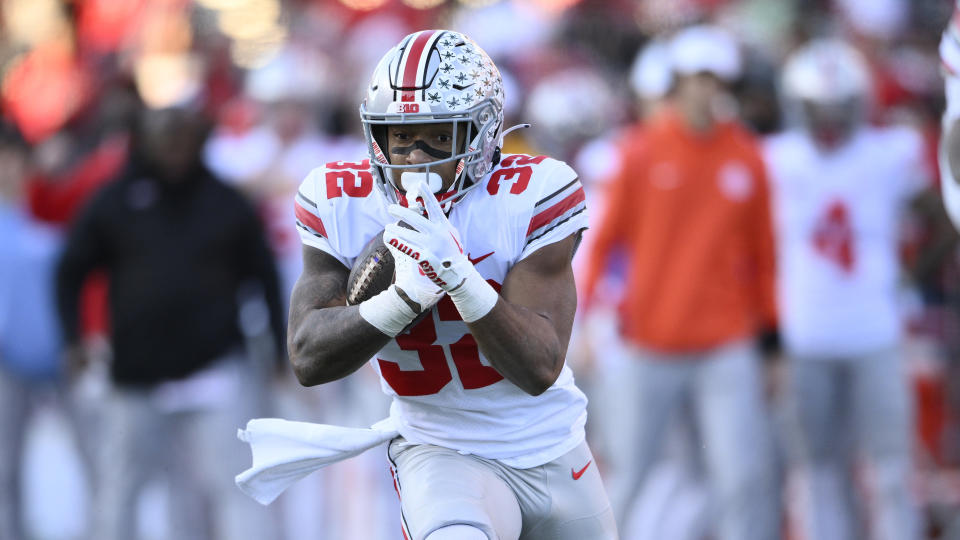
(413, 61)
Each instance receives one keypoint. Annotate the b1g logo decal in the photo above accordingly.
(408, 105)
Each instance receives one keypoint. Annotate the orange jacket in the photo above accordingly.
(692, 212)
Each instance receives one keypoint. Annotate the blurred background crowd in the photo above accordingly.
(96, 94)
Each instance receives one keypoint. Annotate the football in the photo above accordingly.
(372, 271)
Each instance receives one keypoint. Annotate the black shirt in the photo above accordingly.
(176, 256)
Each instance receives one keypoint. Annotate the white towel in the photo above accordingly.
(286, 451)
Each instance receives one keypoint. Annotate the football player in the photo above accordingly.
(491, 426)
(842, 188)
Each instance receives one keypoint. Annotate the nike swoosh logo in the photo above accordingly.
(462, 88)
(480, 258)
(577, 474)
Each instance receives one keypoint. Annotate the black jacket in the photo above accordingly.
(176, 257)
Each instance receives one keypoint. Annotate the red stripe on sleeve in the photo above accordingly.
(413, 62)
(556, 210)
(308, 219)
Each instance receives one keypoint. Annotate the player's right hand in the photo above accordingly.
(432, 242)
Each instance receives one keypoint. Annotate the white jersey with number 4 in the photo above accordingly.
(444, 390)
(838, 218)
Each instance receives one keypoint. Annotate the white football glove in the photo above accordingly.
(410, 294)
(434, 245)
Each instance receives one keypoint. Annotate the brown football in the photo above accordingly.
(372, 271)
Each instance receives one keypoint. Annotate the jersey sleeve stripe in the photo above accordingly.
(308, 220)
(306, 199)
(568, 204)
(308, 230)
(555, 193)
(567, 218)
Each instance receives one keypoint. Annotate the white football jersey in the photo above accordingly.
(444, 390)
(838, 218)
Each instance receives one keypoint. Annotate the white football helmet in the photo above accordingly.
(570, 107)
(826, 71)
(826, 87)
(436, 76)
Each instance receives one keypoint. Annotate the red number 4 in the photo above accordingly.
(833, 236)
(436, 373)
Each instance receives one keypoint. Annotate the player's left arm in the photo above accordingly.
(525, 335)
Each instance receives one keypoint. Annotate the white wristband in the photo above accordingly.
(474, 297)
(387, 312)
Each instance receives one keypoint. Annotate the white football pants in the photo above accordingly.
(190, 439)
(19, 401)
(560, 500)
(724, 389)
(844, 409)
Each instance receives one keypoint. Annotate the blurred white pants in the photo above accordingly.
(849, 408)
(186, 432)
(725, 391)
(19, 402)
